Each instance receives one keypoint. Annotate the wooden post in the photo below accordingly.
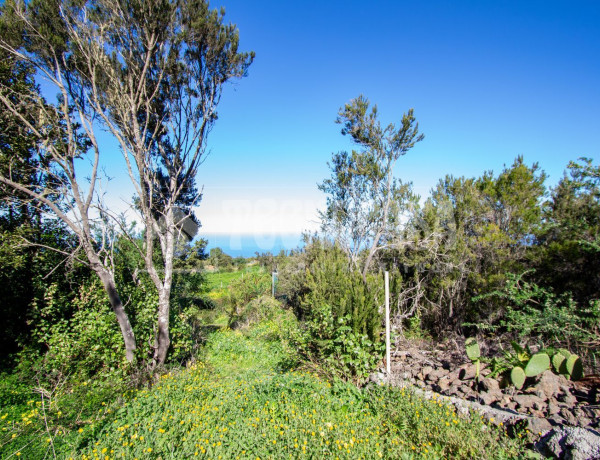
(387, 324)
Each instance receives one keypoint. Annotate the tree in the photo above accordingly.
(568, 242)
(365, 200)
(150, 72)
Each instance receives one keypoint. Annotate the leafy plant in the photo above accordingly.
(474, 354)
(532, 310)
(520, 363)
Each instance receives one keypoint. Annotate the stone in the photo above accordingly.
(549, 383)
(436, 375)
(466, 372)
(445, 382)
(528, 401)
(505, 401)
(567, 398)
(536, 392)
(538, 425)
(490, 385)
(568, 416)
(426, 370)
(490, 397)
(570, 443)
(512, 405)
(553, 408)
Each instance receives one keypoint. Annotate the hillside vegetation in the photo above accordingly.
(239, 400)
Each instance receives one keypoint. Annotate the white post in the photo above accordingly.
(272, 284)
(387, 324)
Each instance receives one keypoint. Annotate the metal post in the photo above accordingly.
(387, 324)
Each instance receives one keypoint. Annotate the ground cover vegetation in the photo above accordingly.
(128, 340)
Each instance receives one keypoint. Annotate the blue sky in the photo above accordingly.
(488, 81)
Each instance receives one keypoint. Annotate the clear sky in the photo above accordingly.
(488, 80)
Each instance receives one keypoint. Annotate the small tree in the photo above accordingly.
(152, 73)
(365, 200)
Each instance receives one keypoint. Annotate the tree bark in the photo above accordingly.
(163, 340)
(115, 301)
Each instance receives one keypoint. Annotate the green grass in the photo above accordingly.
(239, 400)
(236, 403)
(220, 280)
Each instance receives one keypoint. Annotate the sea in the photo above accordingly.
(249, 244)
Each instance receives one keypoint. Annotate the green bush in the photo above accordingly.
(557, 320)
(340, 319)
(241, 292)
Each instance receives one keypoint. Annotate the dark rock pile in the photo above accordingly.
(447, 371)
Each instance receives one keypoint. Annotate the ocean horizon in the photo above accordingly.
(247, 245)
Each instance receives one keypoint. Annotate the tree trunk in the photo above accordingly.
(370, 256)
(122, 318)
(163, 340)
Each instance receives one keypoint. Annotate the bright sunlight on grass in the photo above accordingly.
(237, 404)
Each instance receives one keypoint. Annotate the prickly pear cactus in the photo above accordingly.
(559, 362)
(517, 377)
(537, 364)
(472, 347)
(574, 367)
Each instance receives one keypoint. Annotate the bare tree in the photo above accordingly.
(64, 133)
(152, 73)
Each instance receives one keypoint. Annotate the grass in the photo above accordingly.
(220, 280)
(242, 399)
(238, 403)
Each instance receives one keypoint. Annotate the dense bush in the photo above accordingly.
(339, 311)
(241, 291)
(538, 314)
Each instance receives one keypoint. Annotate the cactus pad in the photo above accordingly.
(472, 348)
(537, 364)
(517, 377)
(559, 362)
(574, 367)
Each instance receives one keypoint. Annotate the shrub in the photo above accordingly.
(341, 319)
(243, 290)
(536, 312)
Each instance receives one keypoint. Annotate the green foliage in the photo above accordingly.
(464, 239)
(566, 256)
(340, 314)
(364, 200)
(534, 311)
(241, 291)
(332, 343)
(219, 260)
(235, 403)
(330, 281)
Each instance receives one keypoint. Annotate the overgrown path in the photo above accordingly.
(239, 403)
